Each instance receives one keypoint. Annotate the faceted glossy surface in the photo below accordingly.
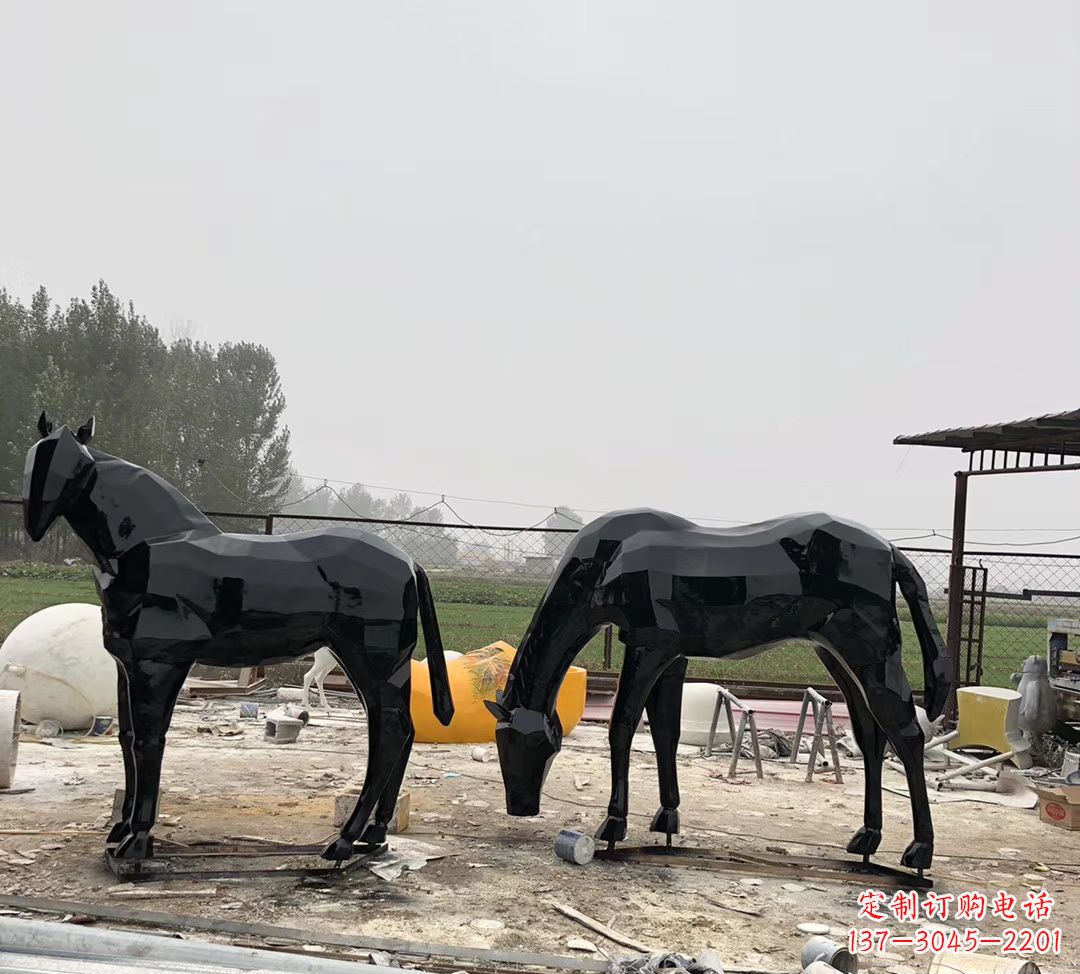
(176, 591)
(676, 590)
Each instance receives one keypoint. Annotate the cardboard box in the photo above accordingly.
(1060, 806)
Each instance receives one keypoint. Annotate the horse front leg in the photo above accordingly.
(664, 707)
(152, 691)
(122, 827)
(641, 667)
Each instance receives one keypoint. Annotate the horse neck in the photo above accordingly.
(555, 636)
(126, 505)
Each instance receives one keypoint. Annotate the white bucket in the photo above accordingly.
(698, 706)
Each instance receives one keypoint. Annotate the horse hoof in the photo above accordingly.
(135, 845)
(613, 829)
(339, 850)
(373, 834)
(666, 820)
(865, 842)
(918, 855)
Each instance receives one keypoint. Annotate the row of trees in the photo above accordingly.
(207, 418)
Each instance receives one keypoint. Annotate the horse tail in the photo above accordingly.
(441, 697)
(938, 671)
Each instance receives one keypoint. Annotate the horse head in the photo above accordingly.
(58, 468)
(528, 741)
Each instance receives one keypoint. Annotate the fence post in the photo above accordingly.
(956, 581)
(607, 647)
(269, 527)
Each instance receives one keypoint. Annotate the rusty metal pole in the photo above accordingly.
(956, 577)
(268, 526)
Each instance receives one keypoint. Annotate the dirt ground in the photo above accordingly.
(502, 869)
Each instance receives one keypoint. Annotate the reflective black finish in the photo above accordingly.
(177, 591)
(675, 590)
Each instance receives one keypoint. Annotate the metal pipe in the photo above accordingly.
(65, 940)
(978, 765)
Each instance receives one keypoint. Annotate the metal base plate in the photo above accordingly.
(234, 860)
(787, 867)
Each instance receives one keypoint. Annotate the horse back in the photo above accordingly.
(189, 588)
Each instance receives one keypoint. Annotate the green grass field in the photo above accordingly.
(475, 612)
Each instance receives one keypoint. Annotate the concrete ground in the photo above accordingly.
(499, 879)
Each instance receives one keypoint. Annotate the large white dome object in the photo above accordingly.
(57, 659)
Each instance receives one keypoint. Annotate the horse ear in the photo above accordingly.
(44, 425)
(86, 432)
(498, 711)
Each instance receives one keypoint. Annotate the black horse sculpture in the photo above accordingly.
(675, 590)
(177, 591)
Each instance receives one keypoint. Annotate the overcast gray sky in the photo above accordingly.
(709, 257)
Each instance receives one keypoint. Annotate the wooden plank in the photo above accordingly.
(601, 928)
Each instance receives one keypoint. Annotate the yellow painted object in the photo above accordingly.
(474, 678)
(990, 717)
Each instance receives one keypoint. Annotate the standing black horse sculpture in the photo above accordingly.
(177, 591)
(675, 590)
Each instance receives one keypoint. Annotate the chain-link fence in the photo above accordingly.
(488, 580)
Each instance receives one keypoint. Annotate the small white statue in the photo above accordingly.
(1038, 704)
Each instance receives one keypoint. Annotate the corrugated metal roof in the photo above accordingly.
(1055, 433)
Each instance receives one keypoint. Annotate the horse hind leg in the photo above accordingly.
(375, 831)
(390, 735)
(664, 707)
(871, 742)
(876, 663)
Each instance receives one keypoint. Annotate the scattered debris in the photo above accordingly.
(734, 909)
(601, 928)
(402, 854)
(577, 943)
(489, 925)
(706, 962)
(129, 891)
(818, 929)
(48, 728)
(225, 729)
(580, 783)
(482, 754)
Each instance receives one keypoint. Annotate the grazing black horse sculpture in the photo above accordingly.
(676, 589)
(177, 591)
